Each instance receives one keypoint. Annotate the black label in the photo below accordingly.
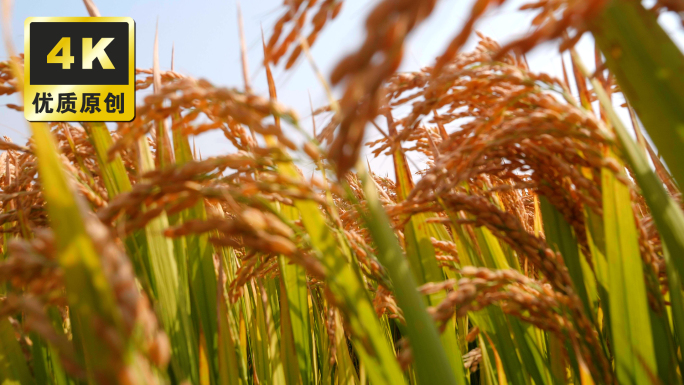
(45, 36)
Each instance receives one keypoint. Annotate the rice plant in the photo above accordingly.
(543, 242)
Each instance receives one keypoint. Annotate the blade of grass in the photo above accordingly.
(13, 367)
(630, 323)
(488, 373)
(345, 371)
(530, 353)
(647, 64)
(295, 286)
(88, 291)
(170, 288)
(344, 279)
(228, 360)
(199, 255)
(287, 344)
(430, 359)
(271, 300)
(349, 293)
(114, 172)
(666, 213)
(421, 254)
(492, 321)
(320, 337)
(559, 235)
(116, 181)
(258, 333)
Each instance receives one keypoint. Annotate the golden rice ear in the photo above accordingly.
(390, 23)
(297, 17)
(531, 240)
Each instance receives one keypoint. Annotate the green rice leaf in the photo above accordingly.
(648, 67)
(667, 215)
(430, 360)
(630, 323)
(114, 172)
(559, 236)
(171, 289)
(13, 367)
(88, 291)
(297, 296)
(421, 256)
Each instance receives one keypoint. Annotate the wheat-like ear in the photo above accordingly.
(533, 240)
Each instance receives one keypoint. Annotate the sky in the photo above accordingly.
(204, 34)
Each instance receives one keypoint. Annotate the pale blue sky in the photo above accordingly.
(205, 36)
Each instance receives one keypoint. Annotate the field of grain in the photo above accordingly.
(543, 242)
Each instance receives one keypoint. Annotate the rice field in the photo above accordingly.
(542, 243)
